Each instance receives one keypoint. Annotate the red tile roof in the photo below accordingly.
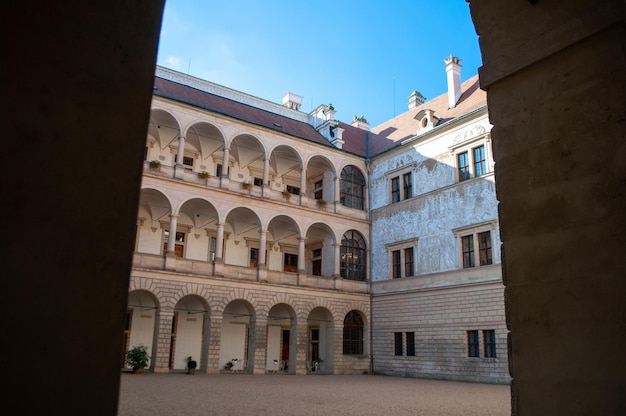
(220, 105)
(405, 125)
(356, 140)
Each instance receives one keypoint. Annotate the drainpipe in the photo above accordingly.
(369, 216)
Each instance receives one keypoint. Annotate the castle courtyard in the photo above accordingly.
(331, 395)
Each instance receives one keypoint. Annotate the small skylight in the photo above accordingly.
(277, 124)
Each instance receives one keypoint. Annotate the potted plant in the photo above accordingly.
(245, 185)
(317, 365)
(229, 365)
(287, 195)
(191, 365)
(203, 175)
(155, 165)
(321, 202)
(137, 358)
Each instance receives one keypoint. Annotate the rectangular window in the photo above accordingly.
(316, 262)
(397, 343)
(473, 344)
(290, 263)
(395, 190)
(480, 164)
(218, 170)
(396, 264)
(408, 262)
(407, 185)
(188, 161)
(293, 190)
(179, 243)
(212, 246)
(463, 166)
(401, 258)
(489, 339)
(254, 257)
(484, 248)
(318, 190)
(467, 243)
(410, 344)
(257, 181)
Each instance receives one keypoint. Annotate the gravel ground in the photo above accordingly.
(330, 395)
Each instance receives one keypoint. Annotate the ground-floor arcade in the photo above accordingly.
(258, 327)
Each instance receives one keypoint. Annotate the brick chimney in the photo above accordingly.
(453, 71)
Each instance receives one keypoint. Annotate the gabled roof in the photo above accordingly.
(404, 126)
(230, 108)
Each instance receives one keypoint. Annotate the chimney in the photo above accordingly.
(453, 71)
(416, 99)
(360, 123)
(293, 101)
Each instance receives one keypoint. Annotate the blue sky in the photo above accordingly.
(365, 58)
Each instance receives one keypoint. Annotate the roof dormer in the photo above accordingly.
(426, 119)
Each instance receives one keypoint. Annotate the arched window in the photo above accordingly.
(352, 263)
(352, 188)
(353, 334)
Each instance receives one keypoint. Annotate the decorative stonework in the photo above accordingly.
(469, 133)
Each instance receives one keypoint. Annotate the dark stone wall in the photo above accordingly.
(555, 74)
(77, 84)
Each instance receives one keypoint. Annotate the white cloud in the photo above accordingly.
(173, 62)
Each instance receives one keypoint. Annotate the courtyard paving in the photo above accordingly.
(149, 394)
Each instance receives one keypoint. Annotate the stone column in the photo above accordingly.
(337, 259)
(302, 184)
(170, 256)
(160, 356)
(337, 195)
(266, 175)
(179, 169)
(218, 264)
(213, 349)
(301, 253)
(260, 346)
(261, 266)
(224, 179)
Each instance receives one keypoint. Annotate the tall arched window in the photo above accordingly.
(353, 334)
(352, 188)
(352, 265)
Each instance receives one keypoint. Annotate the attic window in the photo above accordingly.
(424, 122)
(277, 124)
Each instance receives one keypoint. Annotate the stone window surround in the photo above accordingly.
(401, 245)
(399, 173)
(473, 230)
(468, 146)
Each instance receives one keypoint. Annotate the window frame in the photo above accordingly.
(410, 344)
(318, 189)
(398, 188)
(489, 343)
(467, 149)
(474, 232)
(351, 269)
(180, 228)
(352, 187)
(353, 340)
(398, 347)
(254, 244)
(401, 247)
(473, 343)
